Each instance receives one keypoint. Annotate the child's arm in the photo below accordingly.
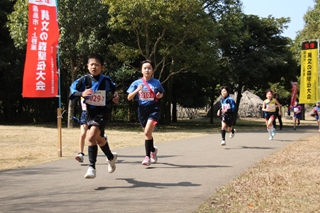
(264, 106)
(279, 107)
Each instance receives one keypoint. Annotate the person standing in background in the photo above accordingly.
(278, 115)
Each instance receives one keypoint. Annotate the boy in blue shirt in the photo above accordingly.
(227, 113)
(99, 92)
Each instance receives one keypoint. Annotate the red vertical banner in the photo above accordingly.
(293, 93)
(40, 77)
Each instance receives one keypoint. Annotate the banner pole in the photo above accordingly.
(59, 115)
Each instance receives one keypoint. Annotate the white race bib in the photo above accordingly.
(226, 106)
(146, 95)
(97, 99)
(271, 107)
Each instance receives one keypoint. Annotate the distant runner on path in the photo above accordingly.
(226, 112)
(269, 108)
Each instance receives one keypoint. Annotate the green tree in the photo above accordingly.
(11, 66)
(311, 30)
(224, 14)
(254, 53)
(176, 35)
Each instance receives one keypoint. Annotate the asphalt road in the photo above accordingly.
(187, 173)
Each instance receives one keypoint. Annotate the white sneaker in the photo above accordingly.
(153, 155)
(91, 173)
(232, 134)
(79, 157)
(223, 143)
(112, 163)
(273, 132)
(146, 161)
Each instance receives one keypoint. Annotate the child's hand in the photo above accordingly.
(159, 95)
(87, 92)
(115, 97)
(140, 87)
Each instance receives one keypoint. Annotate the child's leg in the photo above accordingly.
(223, 130)
(270, 123)
(148, 137)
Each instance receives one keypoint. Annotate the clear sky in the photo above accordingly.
(294, 9)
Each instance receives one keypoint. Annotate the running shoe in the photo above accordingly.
(270, 138)
(223, 143)
(112, 163)
(79, 157)
(146, 161)
(273, 132)
(154, 157)
(91, 173)
(232, 134)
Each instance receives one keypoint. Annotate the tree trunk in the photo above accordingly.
(174, 102)
(174, 112)
(239, 95)
(211, 105)
(71, 104)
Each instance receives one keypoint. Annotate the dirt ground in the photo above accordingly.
(23, 146)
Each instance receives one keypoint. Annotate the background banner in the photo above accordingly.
(309, 73)
(294, 91)
(40, 77)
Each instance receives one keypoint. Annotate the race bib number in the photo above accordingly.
(97, 99)
(146, 95)
(271, 107)
(225, 106)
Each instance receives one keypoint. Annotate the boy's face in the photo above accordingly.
(94, 66)
(224, 92)
(269, 95)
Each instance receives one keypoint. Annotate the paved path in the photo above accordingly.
(188, 172)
